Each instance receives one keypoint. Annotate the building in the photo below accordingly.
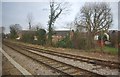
(58, 35)
(22, 32)
(114, 37)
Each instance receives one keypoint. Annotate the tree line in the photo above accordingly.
(91, 19)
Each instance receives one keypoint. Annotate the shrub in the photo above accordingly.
(41, 35)
(80, 41)
(65, 43)
(28, 38)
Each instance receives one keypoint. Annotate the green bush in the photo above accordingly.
(65, 43)
(61, 44)
(28, 38)
(41, 35)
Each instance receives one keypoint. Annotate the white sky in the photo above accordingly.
(15, 12)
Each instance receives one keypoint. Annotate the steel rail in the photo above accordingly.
(110, 64)
(17, 49)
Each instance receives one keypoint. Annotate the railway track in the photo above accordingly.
(104, 63)
(63, 68)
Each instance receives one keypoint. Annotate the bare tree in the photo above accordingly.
(17, 27)
(30, 20)
(56, 9)
(37, 26)
(94, 17)
(69, 25)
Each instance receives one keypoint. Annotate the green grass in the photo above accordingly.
(110, 50)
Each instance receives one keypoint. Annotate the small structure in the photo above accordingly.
(22, 32)
(114, 37)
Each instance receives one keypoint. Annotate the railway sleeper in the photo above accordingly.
(59, 66)
(54, 63)
(75, 72)
(71, 71)
(48, 61)
(64, 68)
(40, 59)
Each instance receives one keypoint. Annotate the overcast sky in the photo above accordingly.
(16, 13)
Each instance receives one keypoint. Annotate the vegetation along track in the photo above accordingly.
(110, 64)
(63, 68)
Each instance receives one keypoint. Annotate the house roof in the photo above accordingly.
(26, 32)
(62, 32)
(57, 33)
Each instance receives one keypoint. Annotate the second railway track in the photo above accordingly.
(110, 64)
(75, 72)
(63, 68)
